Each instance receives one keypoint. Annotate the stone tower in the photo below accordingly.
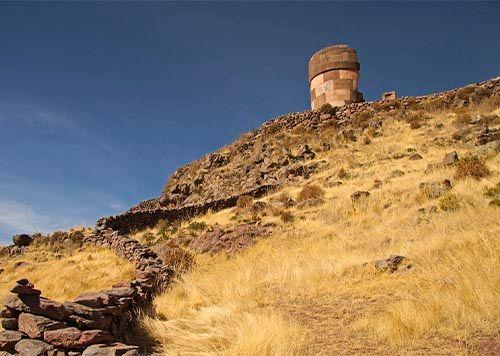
(333, 77)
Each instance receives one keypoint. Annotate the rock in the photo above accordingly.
(111, 350)
(450, 159)
(120, 292)
(29, 347)
(397, 173)
(20, 264)
(415, 157)
(389, 96)
(72, 338)
(377, 183)
(8, 313)
(37, 305)
(94, 299)
(356, 196)
(390, 264)
(34, 325)
(22, 240)
(8, 339)
(433, 190)
(9, 323)
(24, 287)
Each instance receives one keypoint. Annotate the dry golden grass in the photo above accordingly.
(306, 290)
(63, 276)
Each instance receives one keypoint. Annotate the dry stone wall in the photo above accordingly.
(94, 323)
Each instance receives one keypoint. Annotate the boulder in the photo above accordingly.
(115, 349)
(24, 287)
(450, 159)
(34, 325)
(415, 157)
(390, 264)
(72, 338)
(29, 347)
(8, 339)
(433, 190)
(22, 240)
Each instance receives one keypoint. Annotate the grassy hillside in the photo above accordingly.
(311, 287)
(63, 275)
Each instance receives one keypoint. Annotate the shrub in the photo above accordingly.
(366, 140)
(361, 119)
(495, 202)
(166, 228)
(326, 109)
(287, 217)
(416, 120)
(449, 202)
(473, 167)
(310, 191)
(148, 238)
(244, 203)
(343, 174)
(462, 119)
(482, 92)
(197, 226)
(465, 93)
(493, 192)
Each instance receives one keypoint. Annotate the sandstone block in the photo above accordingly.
(37, 305)
(8, 339)
(72, 338)
(29, 347)
(34, 325)
(9, 323)
(114, 349)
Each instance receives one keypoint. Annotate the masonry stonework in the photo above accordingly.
(334, 76)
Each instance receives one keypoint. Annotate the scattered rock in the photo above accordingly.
(433, 190)
(397, 173)
(390, 264)
(415, 157)
(357, 196)
(450, 159)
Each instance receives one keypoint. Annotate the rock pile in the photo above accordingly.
(93, 322)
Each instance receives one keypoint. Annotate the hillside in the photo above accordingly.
(364, 229)
(386, 244)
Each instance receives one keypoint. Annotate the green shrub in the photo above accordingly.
(472, 167)
(493, 192)
(449, 202)
(196, 226)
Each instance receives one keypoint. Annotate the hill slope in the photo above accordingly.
(384, 240)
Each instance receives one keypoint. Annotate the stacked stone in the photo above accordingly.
(334, 76)
(35, 325)
(93, 322)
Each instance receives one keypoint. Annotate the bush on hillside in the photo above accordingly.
(326, 109)
(244, 203)
(472, 167)
(310, 191)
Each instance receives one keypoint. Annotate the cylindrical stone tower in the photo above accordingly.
(333, 77)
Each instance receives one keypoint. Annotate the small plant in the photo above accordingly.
(367, 140)
(449, 202)
(493, 192)
(244, 203)
(343, 174)
(462, 119)
(472, 167)
(326, 109)
(465, 93)
(149, 238)
(495, 202)
(361, 119)
(287, 217)
(197, 226)
(166, 229)
(310, 191)
(416, 120)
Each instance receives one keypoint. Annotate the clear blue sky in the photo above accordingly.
(100, 102)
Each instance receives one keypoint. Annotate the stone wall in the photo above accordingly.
(94, 323)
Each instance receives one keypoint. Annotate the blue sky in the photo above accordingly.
(100, 102)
